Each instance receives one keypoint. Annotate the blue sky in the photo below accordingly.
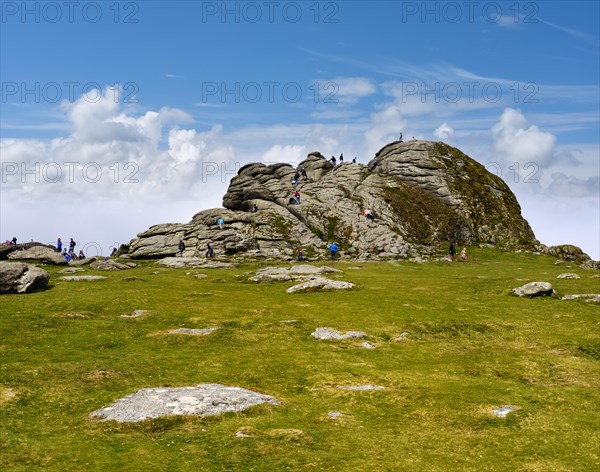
(190, 91)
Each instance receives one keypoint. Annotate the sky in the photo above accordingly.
(116, 116)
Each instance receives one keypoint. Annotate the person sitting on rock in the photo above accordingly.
(333, 161)
(181, 247)
(14, 240)
(220, 223)
(369, 214)
(81, 255)
(254, 208)
(354, 160)
(209, 251)
(333, 248)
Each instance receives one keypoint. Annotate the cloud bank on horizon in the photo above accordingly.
(89, 155)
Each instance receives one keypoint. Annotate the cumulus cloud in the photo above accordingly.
(519, 142)
(444, 132)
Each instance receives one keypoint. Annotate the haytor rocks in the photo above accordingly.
(410, 197)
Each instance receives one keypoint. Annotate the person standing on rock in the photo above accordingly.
(333, 248)
(452, 251)
(59, 245)
(341, 158)
(209, 251)
(254, 208)
(297, 197)
(72, 245)
(220, 223)
(354, 160)
(333, 161)
(301, 255)
(181, 247)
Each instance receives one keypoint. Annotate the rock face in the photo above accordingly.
(39, 253)
(18, 277)
(420, 192)
(202, 400)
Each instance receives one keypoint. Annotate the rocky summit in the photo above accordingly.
(417, 194)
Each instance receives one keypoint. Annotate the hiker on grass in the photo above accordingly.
(463, 254)
(301, 255)
(181, 247)
(333, 248)
(452, 251)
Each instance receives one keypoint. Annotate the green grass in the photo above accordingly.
(471, 347)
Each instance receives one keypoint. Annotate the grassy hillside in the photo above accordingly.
(470, 348)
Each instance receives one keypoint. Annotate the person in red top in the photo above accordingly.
(297, 197)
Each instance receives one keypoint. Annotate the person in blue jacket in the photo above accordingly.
(333, 247)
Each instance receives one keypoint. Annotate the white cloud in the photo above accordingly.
(444, 132)
(518, 142)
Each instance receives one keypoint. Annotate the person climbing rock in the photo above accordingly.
(303, 173)
(220, 223)
(209, 251)
(181, 247)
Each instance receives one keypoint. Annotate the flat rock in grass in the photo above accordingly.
(503, 411)
(320, 284)
(360, 387)
(70, 270)
(534, 289)
(193, 331)
(217, 265)
(135, 314)
(330, 333)
(567, 275)
(178, 262)
(201, 401)
(111, 265)
(307, 269)
(18, 277)
(334, 414)
(589, 297)
(77, 278)
(283, 274)
(368, 345)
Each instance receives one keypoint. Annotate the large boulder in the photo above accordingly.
(39, 253)
(420, 192)
(18, 277)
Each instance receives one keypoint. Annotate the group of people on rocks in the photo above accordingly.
(70, 254)
(334, 161)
